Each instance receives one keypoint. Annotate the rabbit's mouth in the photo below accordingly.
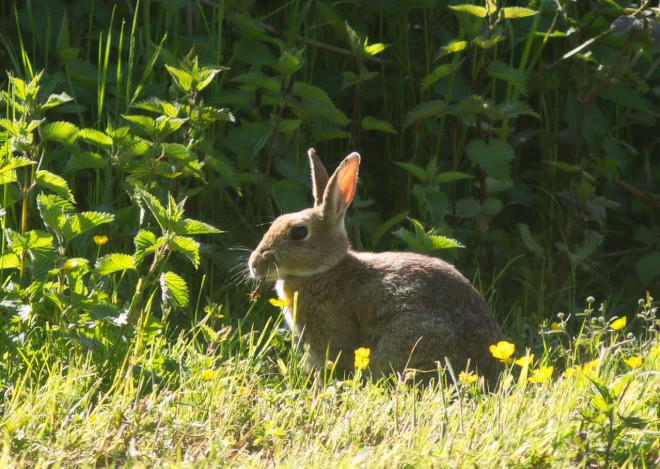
(263, 267)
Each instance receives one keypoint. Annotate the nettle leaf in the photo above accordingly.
(61, 131)
(371, 123)
(154, 206)
(257, 80)
(452, 48)
(7, 169)
(374, 49)
(493, 157)
(96, 137)
(187, 246)
(165, 125)
(53, 209)
(513, 109)
(498, 69)
(307, 91)
(159, 106)
(450, 176)
(195, 227)
(55, 183)
(146, 123)
(517, 12)
(208, 113)
(485, 42)
(182, 78)
(439, 72)
(474, 10)
(528, 240)
(287, 64)
(85, 160)
(146, 243)
(174, 290)
(115, 262)
(206, 76)
(9, 261)
(417, 171)
(55, 100)
(80, 223)
(424, 111)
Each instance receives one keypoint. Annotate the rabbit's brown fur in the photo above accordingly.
(412, 311)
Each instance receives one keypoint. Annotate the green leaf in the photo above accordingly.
(474, 10)
(257, 80)
(450, 176)
(417, 171)
(7, 170)
(371, 123)
(287, 64)
(206, 76)
(517, 12)
(452, 48)
(307, 91)
(487, 42)
(95, 137)
(528, 240)
(188, 246)
(79, 223)
(439, 72)
(498, 69)
(513, 109)
(159, 106)
(182, 78)
(174, 290)
(55, 100)
(115, 262)
(424, 111)
(155, 207)
(9, 260)
(648, 268)
(289, 196)
(61, 131)
(146, 243)
(85, 160)
(493, 157)
(55, 183)
(374, 49)
(188, 226)
(387, 226)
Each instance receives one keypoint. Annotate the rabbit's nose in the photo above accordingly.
(258, 263)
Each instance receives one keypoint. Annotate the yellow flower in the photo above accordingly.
(173, 410)
(207, 375)
(100, 240)
(362, 358)
(70, 264)
(589, 368)
(569, 372)
(468, 378)
(526, 360)
(541, 374)
(618, 324)
(92, 418)
(556, 327)
(503, 351)
(277, 302)
(655, 350)
(633, 362)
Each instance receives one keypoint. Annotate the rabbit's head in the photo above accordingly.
(314, 240)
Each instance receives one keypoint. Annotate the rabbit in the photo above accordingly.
(412, 311)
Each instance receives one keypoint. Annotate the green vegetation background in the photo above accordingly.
(145, 146)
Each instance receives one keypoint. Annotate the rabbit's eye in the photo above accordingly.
(298, 232)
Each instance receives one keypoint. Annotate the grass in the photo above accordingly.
(244, 404)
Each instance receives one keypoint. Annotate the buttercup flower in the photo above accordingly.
(207, 375)
(503, 351)
(468, 378)
(541, 374)
(100, 240)
(362, 358)
(618, 324)
(70, 264)
(277, 302)
(526, 360)
(633, 362)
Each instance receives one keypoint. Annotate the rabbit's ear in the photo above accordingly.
(341, 188)
(319, 176)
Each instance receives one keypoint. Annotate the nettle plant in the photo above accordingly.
(48, 278)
